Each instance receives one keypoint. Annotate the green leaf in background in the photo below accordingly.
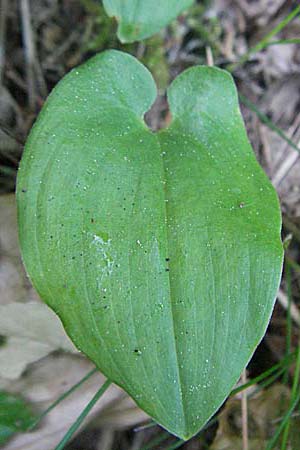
(161, 253)
(139, 19)
(15, 416)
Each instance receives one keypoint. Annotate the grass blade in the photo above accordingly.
(156, 441)
(280, 367)
(284, 421)
(289, 318)
(264, 42)
(285, 436)
(62, 397)
(284, 42)
(177, 444)
(264, 119)
(82, 416)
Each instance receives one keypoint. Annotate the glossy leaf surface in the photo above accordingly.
(161, 253)
(139, 19)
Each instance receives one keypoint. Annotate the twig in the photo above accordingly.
(29, 51)
(33, 69)
(244, 413)
(288, 162)
(59, 51)
(209, 56)
(3, 15)
(266, 149)
(284, 169)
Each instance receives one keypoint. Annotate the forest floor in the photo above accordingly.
(41, 40)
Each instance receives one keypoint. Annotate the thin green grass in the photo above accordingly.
(294, 395)
(296, 381)
(156, 441)
(82, 416)
(293, 264)
(177, 444)
(287, 274)
(278, 369)
(266, 378)
(151, 424)
(265, 41)
(284, 42)
(62, 397)
(283, 423)
(264, 119)
(286, 430)
(268, 382)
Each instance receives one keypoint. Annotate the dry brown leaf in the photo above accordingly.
(32, 331)
(14, 285)
(51, 377)
(264, 411)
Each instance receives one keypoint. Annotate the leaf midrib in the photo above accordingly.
(166, 208)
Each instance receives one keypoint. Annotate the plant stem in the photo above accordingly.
(82, 416)
(62, 397)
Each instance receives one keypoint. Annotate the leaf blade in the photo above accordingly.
(123, 238)
(139, 20)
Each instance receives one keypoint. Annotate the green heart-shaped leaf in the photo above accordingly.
(141, 19)
(161, 253)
